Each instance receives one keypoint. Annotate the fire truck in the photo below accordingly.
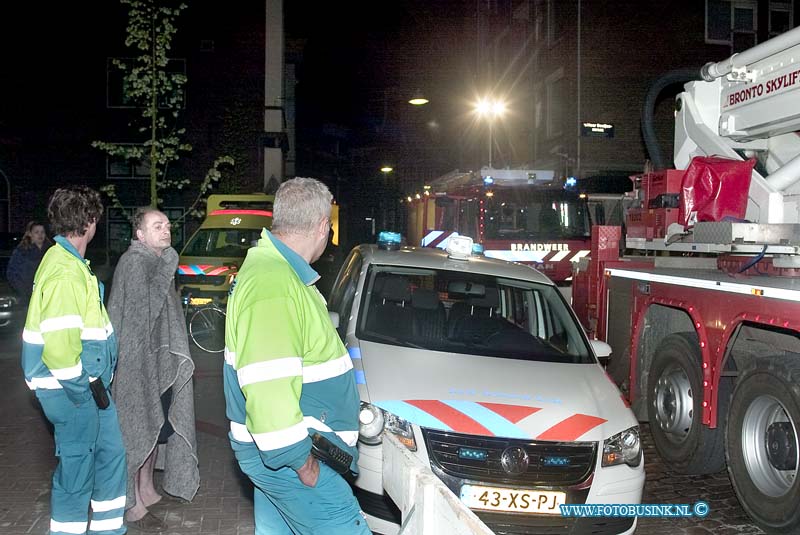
(519, 215)
(703, 309)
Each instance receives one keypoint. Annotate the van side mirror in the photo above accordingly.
(334, 318)
(602, 350)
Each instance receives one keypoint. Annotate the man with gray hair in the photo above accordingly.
(289, 381)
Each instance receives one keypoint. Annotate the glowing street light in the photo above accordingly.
(387, 169)
(490, 109)
(418, 99)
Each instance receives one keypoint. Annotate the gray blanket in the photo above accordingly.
(153, 356)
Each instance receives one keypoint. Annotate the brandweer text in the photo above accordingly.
(540, 247)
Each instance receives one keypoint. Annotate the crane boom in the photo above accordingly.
(749, 106)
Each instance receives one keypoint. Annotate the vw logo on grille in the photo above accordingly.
(514, 460)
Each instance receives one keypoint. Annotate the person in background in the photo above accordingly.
(288, 377)
(153, 385)
(26, 258)
(69, 352)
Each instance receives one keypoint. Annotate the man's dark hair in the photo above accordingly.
(72, 209)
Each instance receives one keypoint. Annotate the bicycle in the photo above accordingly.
(207, 327)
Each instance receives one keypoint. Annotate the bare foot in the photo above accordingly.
(135, 513)
(147, 494)
(148, 498)
(149, 523)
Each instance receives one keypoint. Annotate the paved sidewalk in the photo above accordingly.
(223, 504)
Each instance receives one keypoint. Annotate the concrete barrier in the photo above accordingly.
(428, 507)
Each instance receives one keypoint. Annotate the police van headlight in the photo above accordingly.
(370, 424)
(624, 447)
(373, 421)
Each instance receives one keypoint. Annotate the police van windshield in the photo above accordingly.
(228, 243)
(545, 215)
(468, 313)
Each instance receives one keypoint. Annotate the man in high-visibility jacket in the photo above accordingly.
(287, 374)
(68, 343)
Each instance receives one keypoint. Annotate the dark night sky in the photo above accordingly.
(355, 48)
(364, 60)
(361, 61)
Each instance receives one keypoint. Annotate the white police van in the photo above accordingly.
(480, 367)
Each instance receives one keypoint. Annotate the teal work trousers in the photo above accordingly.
(285, 506)
(89, 482)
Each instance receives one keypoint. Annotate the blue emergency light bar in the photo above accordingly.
(554, 460)
(477, 249)
(473, 454)
(389, 240)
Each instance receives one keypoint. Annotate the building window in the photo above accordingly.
(555, 103)
(781, 16)
(555, 20)
(119, 167)
(732, 22)
(116, 94)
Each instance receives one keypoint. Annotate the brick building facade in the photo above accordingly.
(583, 67)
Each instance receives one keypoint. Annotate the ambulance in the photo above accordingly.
(480, 367)
(214, 253)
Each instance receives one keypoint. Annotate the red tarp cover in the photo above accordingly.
(714, 188)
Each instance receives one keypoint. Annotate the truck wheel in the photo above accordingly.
(762, 443)
(674, 408)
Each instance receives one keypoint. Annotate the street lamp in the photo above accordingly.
(490, 109)
(418, 99)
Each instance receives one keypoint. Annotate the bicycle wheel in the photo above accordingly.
(207, 329)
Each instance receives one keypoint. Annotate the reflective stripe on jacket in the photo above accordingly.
(68, 339)
(286, 371)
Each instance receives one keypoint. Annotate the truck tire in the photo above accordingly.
(762, 444)
(674, 408)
